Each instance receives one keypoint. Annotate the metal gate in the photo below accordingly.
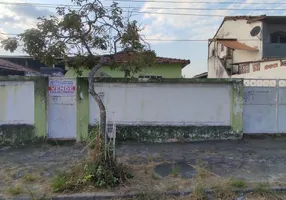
(62, 108)
(264, 108)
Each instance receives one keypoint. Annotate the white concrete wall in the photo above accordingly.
(240, 30)
(16, 102)
(168, 104)
(216, 69)
(265, 72)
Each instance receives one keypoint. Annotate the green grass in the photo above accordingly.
(238, 183)
(59, 183)
(30, 178)
(223, 190)
(16, 190)
(264, 190)
(199, 193)
(175, 171)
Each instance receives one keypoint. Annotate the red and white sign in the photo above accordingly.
(62, 88)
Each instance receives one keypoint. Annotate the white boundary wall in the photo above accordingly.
(164, 104)
(17, 102)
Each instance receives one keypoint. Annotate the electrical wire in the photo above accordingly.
(151, 1)
(130, 7)
(157, 40)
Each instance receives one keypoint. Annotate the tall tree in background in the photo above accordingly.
(79, 34)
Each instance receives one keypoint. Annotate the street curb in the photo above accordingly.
(103, 196)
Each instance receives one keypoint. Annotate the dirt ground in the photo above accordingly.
(251, 160)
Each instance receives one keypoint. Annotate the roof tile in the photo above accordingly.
(4, 64)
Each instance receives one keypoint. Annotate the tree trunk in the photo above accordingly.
(96, 97)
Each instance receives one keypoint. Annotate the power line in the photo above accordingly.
(149, 1)
(158, 40)
(199, 2)
(149, 12)
(166, 8)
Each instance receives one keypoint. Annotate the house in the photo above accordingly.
(163, 67)
(29, 67)
(248, 47)
(202, 75)
(8, 68)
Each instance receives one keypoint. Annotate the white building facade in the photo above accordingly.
(249, 47)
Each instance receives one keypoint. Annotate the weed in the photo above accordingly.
(264, 190)
(29, 178)
(175, 171)
(238, 183)
(156, 176)
(16, 190)
(199, 193)
(149, 158)
(223, 190)
(202, 173)
(100, 169)
(59, 183)
(150, 193)
(33, 197)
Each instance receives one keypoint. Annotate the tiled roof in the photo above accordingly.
(202, 75)
(234, 44)
(4, 64)
(120, 57)
(246, 17)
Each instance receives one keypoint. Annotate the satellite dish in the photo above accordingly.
(255, 31)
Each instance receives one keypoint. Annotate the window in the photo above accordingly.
(222, 48)
(229, 52)
(213, 52)
(278, 37)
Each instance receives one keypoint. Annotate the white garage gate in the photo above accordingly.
(264, 106)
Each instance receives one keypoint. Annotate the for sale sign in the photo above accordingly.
(62, 88)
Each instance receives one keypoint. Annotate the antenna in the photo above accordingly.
(255, 31)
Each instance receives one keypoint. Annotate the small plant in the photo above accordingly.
(175, 171)
(29, 178)
(156, 176)
(199, 193)
(60, 182)
(16, 190)
(150, 195)
(33, 197)
(223, 190)
(100, 169)
(238, 183)
(264, 190)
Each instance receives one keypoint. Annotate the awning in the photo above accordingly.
(233, 44)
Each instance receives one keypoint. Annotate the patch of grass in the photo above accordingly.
(60, 182)
(223, 190)
(199, 193)
(33, 197)
(238, 183)
(30, 178)
(175, 171)
(99, 170)
(155, 176)
(150, 195)
(14, 190)
(264, 190)
(202, 173)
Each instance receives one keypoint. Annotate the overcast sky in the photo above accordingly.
(15, 19)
